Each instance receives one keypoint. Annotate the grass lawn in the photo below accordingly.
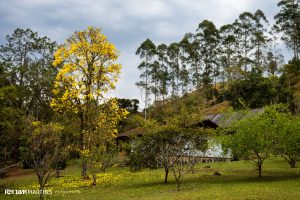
(238, 181)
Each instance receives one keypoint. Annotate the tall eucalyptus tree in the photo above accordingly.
(191, 46)
(260, 39)
(244, 27)
(185, 56)
(146, 51)
(287, 21)
(163, 74)
(174, 58)
(207, 36)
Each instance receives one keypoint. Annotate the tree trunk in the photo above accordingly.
(15, 152)
(94, 179)
(178, 185)
(81, 130)
(292, 163)
(41, 193)
(84, 170)
(245, 51)
(146, 89)
(166, 175)
(259, 169)
(4, 156)
(290, 159)
(57, 172)
(84, 165)
(41, 186)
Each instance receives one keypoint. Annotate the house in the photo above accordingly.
(226, 120)
(214, 121)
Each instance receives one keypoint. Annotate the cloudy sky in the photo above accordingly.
(127, 23)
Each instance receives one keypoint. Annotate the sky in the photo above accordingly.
(126, 23)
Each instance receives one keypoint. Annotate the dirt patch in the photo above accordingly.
(18, 172)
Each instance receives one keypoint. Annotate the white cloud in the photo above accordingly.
(147, 9)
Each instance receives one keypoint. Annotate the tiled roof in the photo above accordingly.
(218, 120)
(135, 131)
(228, 119)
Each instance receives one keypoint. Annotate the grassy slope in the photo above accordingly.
(237, 182)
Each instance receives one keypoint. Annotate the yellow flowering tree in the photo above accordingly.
(99, 158)
(100, 152)
(87, 71)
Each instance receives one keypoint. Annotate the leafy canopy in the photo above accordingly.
(88, 70)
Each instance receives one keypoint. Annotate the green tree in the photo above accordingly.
(11, 120)
(190, 46)
(42, 148)
(163, 74)
(27, 60)
(259, 38)
(273, 62)
(291, 81)
(287, 137)
(227, 46)
(171, 145)
(131, 105)
(26, 83)
(99, 158)
(244, 27)
(173, 61)
(146, 51)
(256, 91)
(253, 138)
(287, 21)
(208, 37)
(185, 48)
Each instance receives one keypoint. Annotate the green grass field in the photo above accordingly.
(238, 181)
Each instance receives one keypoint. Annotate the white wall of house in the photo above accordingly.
(214, 150)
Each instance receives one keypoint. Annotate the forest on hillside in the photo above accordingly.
(239, 62)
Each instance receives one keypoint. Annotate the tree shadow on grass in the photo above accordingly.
(224, 179)
(238, 179)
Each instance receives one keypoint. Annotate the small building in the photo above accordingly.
(222, 120)
(225, 120)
